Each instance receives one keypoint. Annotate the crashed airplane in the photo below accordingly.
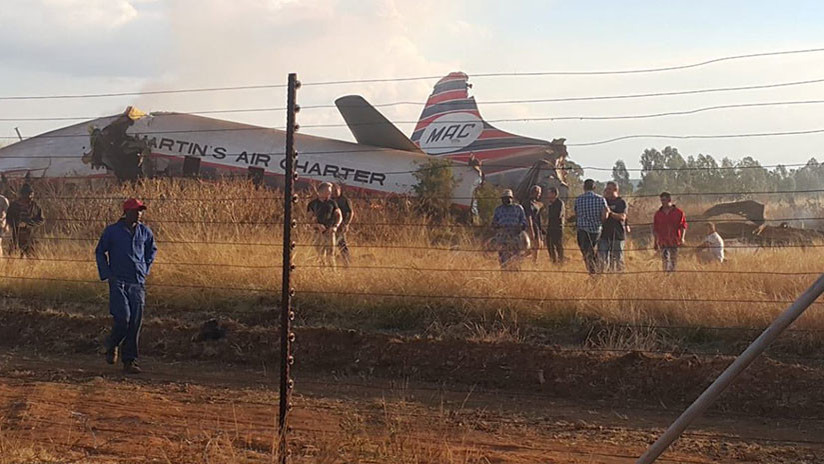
(133, 144)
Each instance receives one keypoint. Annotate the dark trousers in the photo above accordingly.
(669, 256)
(587, 242)
(22, 240)
(611, 254)
(126, 303)
(555, 244)
(344, 248)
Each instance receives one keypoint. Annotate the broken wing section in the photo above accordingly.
(115, 150)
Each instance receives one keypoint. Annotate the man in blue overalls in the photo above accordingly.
(124, 256)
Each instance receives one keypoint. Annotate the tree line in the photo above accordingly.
(668, 170)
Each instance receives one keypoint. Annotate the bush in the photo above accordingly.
(434, 187)
(488, 197)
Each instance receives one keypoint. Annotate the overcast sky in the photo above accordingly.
(93, 46)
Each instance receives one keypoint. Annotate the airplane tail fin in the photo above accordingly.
(448, 102)
(370, 127)
(451, 125)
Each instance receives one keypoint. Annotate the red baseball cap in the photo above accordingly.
(133, 203)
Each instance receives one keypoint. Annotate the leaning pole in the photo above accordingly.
(723, 381)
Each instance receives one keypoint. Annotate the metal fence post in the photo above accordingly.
(287, 292)
(725, 379)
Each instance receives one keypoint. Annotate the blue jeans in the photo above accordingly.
(669, 256)
(126, 303)
(611, 254)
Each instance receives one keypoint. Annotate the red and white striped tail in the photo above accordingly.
(451, 126)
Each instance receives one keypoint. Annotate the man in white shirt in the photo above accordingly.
(4, 207)
(711, 250)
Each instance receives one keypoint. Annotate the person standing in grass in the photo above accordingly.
(711, 250)
(669, 227)
(555, 226)
(328, 217)
(590, 211)
(24, 217)
(348, 214)
(533, 218)
(508, 220)
(125, 254)
(4, 207)
(613, 236)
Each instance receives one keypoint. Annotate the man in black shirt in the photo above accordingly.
(24, 216)
(328, 217)
(613, 236)
(555, 226)
(346, 212)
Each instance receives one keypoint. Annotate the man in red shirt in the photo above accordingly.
(668, 228)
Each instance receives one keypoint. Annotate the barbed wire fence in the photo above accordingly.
(68, 242)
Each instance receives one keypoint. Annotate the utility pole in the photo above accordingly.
(287, 292)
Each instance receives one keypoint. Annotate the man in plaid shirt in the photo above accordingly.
(591, 211)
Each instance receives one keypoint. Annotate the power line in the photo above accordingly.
(524, 101)
(412, 78)
(577, 73)
(140, 92)
(526, 119)
(683, 137)
(607, 97)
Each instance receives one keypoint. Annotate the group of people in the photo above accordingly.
(126, 249)
(602, 228)
(21, 217)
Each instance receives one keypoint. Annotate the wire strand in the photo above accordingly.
(525, 119)
(412, 78)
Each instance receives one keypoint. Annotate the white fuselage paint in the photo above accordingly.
(233, 147)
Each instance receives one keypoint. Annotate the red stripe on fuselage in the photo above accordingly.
(496, 134)
(496, 154)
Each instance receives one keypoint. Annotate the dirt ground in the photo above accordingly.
(377, 398)
(77, 409)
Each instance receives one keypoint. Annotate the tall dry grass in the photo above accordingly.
(211, 220)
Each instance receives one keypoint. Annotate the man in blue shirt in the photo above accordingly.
(509, 220)
(590, 211)
(124, 256)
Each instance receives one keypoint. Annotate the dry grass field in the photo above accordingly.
(409, 273)
(422, 351)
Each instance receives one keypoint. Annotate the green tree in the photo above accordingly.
(620, 175)
(752, 177)
(810, 177)
(574, 178)
(488, 197)
(434, 187)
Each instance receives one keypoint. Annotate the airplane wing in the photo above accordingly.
(370, 127)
